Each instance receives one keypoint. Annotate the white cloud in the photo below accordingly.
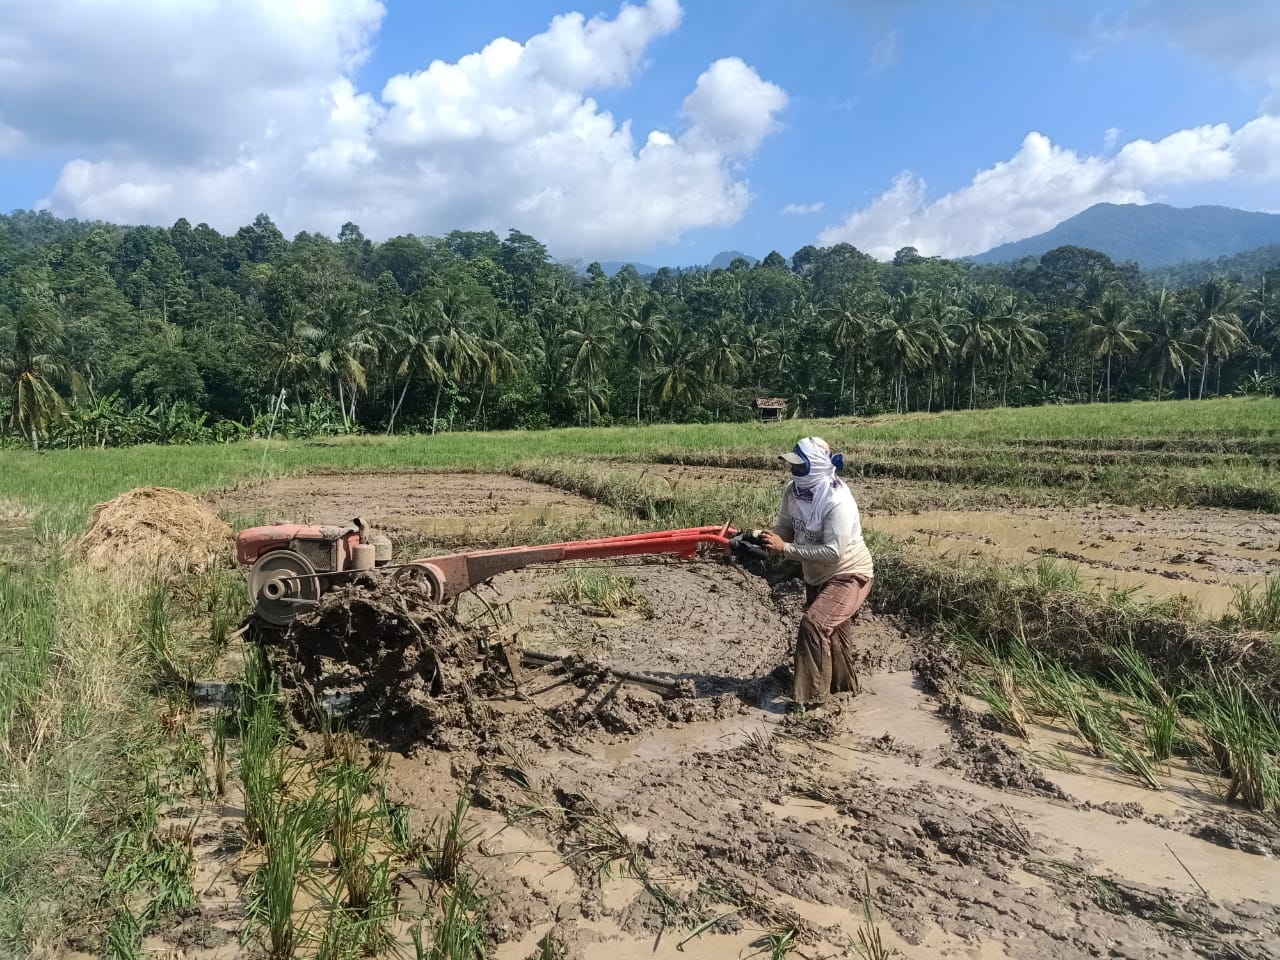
(732, 107)
(885, 53)
(177, 80)
(1043, 184)
(221, 109)
(1242, 36)
(802, 209)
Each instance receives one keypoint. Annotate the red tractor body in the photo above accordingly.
(292, 564)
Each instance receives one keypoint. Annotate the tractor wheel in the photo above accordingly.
(282, 584)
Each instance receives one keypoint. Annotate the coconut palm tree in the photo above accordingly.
(411, 354)
(901, 343)
(1018, 339)
(680, 378)
(1216, 323)
(1113, 331)
(723, 356)
(495, 362)
(452, 343)
(292, 344)
(642, 326)
(851, 318)
(1167, 352)
(588, 342)
(1262, 311)
(32, 369)
(937, 311)
(347, 339)
(974, 331)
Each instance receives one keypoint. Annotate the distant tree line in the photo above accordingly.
(114, 335)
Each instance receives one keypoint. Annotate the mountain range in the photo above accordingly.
(1154, 234)
(720, 261)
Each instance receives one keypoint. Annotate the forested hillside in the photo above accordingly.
(1150, 234)
(115, 334)
(1248, 267)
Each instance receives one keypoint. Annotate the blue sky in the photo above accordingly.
(949, 126)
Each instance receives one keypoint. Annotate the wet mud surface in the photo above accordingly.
(1200, 554)
(423, 504)
(728, 807)
(723, 812)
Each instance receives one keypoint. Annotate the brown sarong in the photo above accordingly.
(824, 642)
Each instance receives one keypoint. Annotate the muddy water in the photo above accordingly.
(696, 789)
(440, 504)
(1199, 554)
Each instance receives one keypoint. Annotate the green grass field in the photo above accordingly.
(54, 491)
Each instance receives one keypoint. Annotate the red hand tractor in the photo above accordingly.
(292, 564)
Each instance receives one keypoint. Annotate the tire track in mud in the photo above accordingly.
(965, 862)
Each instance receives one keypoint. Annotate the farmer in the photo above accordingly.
(819, 525)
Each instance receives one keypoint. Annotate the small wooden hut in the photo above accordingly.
(769, 409)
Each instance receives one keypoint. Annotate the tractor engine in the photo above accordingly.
(291, 564)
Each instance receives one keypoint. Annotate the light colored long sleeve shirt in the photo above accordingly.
(837, 549)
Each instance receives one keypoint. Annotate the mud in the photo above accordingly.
(413, 674)
(1203, 555)
(725, 810)
(420, 504)
(382, 652)
(706, 622)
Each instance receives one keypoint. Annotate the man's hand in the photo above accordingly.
(772, 542)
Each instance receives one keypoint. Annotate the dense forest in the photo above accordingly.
(114, 335)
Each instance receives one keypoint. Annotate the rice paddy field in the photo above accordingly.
(1066, 742)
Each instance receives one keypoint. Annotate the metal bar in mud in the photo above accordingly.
(629, 676)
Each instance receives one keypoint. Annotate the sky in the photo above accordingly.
(659, 131)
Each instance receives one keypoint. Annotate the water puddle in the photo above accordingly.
(896, 704)
(715, 737)
(1132, 849)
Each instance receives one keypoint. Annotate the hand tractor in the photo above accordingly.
(291, 565)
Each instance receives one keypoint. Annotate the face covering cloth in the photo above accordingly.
(819, 490)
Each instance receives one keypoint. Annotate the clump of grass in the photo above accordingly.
(776, 943)
(1243, 738)
(459, 930)
(761, 742)
(157, 635)
(1051, 574)
(363, 873)
(444, 857)
(549, 948)
(1257, 606)
(600, 592)
(124, 936)
(219, 727)
(868, 943)
(1001, 695)
(399, 831)
(189, 762)
(292, 832)
(262, 762)
(1162, 729)
(226, 604)
(153, 868)
(78, 734)
(1052, 760)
